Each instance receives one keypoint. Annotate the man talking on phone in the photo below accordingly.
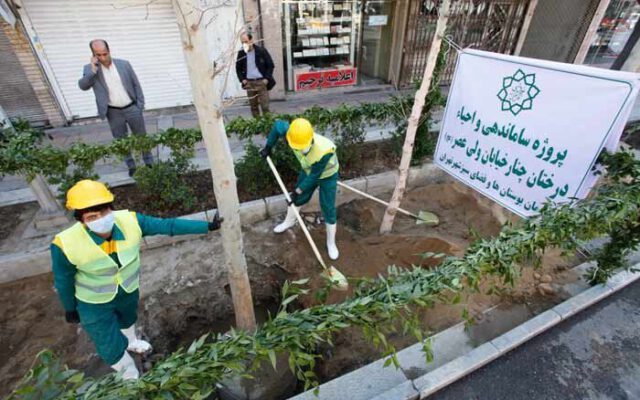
(118, 95)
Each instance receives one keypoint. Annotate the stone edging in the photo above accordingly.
(462, 366)
(450, 371)
(36, 261)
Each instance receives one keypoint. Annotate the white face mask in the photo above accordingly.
(307, 150)
(246, 47)
(102, 225)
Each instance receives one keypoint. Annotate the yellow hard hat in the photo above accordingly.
(300, 134)
(88, 193)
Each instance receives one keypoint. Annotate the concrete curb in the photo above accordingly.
(36, 261)
(455, 356)
(462, 366)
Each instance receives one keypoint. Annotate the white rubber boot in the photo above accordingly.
(136, 345)
(128, 366)
(332, 249)
(289, 221)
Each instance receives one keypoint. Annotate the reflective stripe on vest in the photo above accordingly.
(321, 146)
(97, 276)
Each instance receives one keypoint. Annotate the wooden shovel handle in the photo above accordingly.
(295, 210)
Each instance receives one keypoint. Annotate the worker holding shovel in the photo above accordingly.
(96, 268)
(319, 162)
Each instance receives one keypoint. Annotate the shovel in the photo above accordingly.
(423, 217)
(336, 277)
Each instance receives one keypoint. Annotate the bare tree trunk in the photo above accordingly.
(207, 98)
(414, 120)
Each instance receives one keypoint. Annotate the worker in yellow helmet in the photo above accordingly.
(319, 162)
(96, 268)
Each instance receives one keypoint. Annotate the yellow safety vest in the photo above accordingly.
(98, 276)
(321, 146)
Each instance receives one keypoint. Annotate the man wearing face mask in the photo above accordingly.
(254, 68)
(96, 268)
(319, 162)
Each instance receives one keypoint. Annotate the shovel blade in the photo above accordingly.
(338, 280)
(427, 218)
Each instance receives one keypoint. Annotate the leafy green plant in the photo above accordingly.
(163, 184)
(24, 150)
(252, 171)
(254, 175)
(376, 306)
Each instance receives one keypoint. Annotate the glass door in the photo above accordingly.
(377, 38)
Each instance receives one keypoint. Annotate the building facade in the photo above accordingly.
(316, 45)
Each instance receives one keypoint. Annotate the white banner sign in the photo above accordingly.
(524, 131)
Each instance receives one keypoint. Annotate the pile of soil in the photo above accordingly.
(32, 318)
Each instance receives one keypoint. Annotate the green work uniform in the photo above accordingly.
(103, 321)
(315, 176)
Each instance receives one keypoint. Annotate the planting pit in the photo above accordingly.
(183, 296)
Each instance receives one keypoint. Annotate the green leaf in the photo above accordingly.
(272, 358)
(288, 300)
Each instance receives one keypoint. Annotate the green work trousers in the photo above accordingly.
(103, 322)
(328, 188)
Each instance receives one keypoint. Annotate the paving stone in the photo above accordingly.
(253, 211)
(276, 205)
(582, 301)
(165, 122)
(423, 175)
(446, 346)
(381, 183)
(404, 391)
(622, 279)
(23, 266)
(454, 370)
(346, 195)
(526, 331)
(362, 384)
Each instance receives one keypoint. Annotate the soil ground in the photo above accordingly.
(31, 317)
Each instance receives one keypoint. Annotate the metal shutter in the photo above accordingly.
(17, 96)
(146, 36)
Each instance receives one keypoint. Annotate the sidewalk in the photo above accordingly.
(15, 190)
(594, 355)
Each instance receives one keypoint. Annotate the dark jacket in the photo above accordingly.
(96, 81)
(263, 62)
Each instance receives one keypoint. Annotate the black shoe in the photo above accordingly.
(132, 171)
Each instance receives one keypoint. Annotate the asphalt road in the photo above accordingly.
(593, 355)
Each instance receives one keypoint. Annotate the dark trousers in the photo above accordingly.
(103, 323)
(328, 188)
(118, 121)
(258, 97)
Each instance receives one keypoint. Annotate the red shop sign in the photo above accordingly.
(326, 79)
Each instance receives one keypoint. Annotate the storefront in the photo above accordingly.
(614, 31)
(336, 43)
(145, 34)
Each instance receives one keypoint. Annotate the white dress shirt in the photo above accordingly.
(118, 96)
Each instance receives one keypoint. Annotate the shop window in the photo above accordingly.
(614, 31)
(320, 39)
